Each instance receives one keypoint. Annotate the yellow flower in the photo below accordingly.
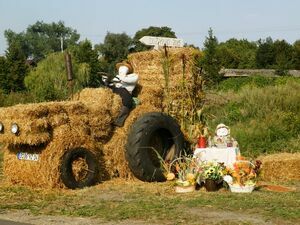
(190, 177)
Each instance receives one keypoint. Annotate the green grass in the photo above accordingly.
(262, 119)
(235, 84)
(149, 202)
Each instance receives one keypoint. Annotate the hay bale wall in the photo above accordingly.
(181, 95)
(148, 65)
(281, 167)
(52, 128)
(70, 124)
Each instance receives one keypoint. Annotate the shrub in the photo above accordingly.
(48, 81)
(14, 98)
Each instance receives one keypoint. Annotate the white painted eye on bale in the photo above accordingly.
(1, 127)
(14, 128)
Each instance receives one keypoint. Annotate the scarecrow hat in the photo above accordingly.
(127, 64)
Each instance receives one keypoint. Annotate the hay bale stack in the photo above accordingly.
(50, 129)
(281, 167)
(44, 172)
(148, 65)
(104, 107)
(70, 124)
(181, 95)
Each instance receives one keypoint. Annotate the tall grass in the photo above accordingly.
(14, 98)
(262, 119)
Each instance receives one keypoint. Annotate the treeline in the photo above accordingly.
(33, 67)
(243, 54)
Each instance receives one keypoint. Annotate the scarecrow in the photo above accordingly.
(222, 138)
(123, 84)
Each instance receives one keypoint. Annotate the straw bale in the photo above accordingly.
(45, 172)
(281, 167)
(96, 108)
(52, 128)
(114, 150)
(150, 92)
(183, 96)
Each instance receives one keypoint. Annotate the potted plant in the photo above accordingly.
(212, 175)
(243, 176)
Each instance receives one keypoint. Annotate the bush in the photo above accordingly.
(237, 83)
(48, 81)
(263, 119)
(14, 98)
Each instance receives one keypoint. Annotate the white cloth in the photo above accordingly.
(223, 155)
(128, 81)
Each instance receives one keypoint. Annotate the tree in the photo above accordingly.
(151, 31)
(210, 62)
(237, 54)
(4, 70)
(283, 56)
(84, 53)
(41, 38)
(48, 81)
(296, 55)
(265, 55)
(114, 49)
(17, 69)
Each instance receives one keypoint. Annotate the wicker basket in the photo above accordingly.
(241, 189)
(184, 189)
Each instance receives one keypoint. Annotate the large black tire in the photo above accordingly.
(151, 134)
(66, 170)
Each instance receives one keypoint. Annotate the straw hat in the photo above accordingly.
(127, 64)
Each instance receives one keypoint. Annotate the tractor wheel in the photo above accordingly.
(79, 168)
(153, 138)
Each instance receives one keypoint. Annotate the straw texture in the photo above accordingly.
(281, 167)
(50, 129)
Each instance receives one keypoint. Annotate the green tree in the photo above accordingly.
(42, 38)
(237, 54)
(283, 56)
(296, 55)
(48, 81)
(210, 62)
(84, 53)
(114, 49)
(265, 55)
(151, 31)
(4, 70)
(17, 69)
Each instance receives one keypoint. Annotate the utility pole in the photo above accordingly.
(62, 43)
(69, 70)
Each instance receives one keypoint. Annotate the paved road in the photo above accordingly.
(9, 222)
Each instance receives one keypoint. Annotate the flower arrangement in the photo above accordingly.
(184, 170)
(244, 175)
(212, 171)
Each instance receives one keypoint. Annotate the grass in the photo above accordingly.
(237, 83)
(263, 119)
(120, 200)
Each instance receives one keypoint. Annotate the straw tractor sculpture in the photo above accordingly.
(74, 144)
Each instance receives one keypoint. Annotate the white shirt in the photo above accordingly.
(127, 81)
(124, 80)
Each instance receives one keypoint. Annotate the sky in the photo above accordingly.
(189, 19)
